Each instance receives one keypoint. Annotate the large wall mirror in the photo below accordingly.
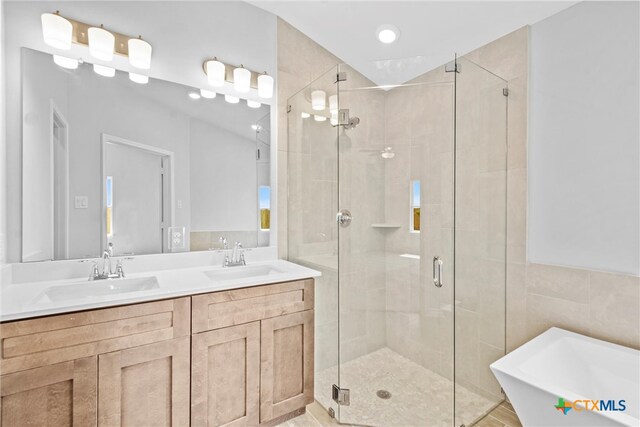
(143, 168)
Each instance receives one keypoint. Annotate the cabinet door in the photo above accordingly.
(145, 386)
(225, 387)
(63, 394)
(286, 364)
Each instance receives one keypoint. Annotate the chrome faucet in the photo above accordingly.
(107, 272)
(237, 257)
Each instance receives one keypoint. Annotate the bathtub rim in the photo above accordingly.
(509, 365)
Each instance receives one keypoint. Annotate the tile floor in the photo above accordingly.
(419, 397)
(501, 416)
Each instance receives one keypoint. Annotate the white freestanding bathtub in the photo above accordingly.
(586, 373)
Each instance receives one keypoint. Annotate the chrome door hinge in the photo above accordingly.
(341, 76)
(505, 91)
(341, 395)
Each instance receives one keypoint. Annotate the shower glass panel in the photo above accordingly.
(480, 237)
(312, 234)
(398, 196)
(396, 324)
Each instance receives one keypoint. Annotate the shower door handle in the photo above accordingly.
(437, 271)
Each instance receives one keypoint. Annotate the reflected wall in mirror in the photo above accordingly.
(143, 167)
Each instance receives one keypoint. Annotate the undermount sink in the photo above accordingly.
(244, 272)
(98, 288)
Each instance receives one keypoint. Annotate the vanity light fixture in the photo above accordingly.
(241, 79)
(139, 53)
(194, 95)
(387, 33)
(231, 99)
(305, 115)
(209, 94)
(104, 70)
(318, 100)
(64, 62)
(253, 104)
(265, 86)
(139, 78)
(334, 119)
(319, 118)
(101, 43)
(60, 33)
(333, 104)
(56, 30)
(216, 72)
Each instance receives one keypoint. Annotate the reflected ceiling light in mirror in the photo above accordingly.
(64, 62)
(194, 95)
(318, 100)
(265, 86)
(319, 118)
(305, 115)
(56, 30)
(387, 153)
(241, 79)
(253, 104)
(334, 119)
(139, 53)
(387, 33)
(333, 104)
(139, 78)
(101, 43)
(231, 99)
(104, 71)
(216, 71)
(209, 94)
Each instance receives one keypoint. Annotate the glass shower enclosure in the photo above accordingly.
(398, 196)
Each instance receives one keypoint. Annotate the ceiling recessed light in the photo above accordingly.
(194, 95)
(387, 33)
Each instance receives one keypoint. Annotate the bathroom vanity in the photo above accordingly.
(238, 351)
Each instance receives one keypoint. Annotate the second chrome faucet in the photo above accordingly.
(237, 254)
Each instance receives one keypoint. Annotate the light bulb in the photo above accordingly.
(139, 78)
(104, 71)
(56, 31)
(231, 99)
(265, 86)
(139, 53)
(216, 71)
(253, 104)
(209, 94)
(305, 115)
(101, 43)
(194, 95)
(318, 100)
(319, 118)
(64, 62)
(241, 79)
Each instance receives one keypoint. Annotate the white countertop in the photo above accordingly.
(29, 299)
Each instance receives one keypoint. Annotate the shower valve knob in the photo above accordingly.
(344, 218)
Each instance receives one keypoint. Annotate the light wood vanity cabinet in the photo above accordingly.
(267, 329)
(232, 358)
(54, 368)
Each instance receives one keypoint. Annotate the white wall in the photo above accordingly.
(183, 35)
(584, 181)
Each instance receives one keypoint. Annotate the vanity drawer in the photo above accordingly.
(43, 341)
(229, 308)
